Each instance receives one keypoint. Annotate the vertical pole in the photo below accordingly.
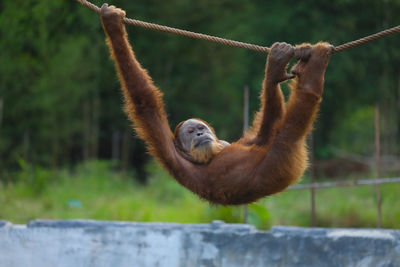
(26, 146)
(115, 154)
(126, 143)
(378, 162)
(245, 128)
(94, 138)
(312, 175)
(86, 131)
(1, 110)
(246, 109)
(1, 121)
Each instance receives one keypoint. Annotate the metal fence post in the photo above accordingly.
(312, 175)
(245, 128)
(1, 110)
(378, 162)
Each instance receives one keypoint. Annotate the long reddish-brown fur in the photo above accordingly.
(270, 157)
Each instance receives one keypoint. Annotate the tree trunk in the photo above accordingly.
(126, 142)
(94, 147)
(1, 111)
(86, 131)
(115, 146)
(26, 144)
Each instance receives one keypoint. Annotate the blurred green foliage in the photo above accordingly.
(61, 107)
(36, 178)
(356, 132)
(61, 102)
(93, 190)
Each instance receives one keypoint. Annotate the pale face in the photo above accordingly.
(195, 134)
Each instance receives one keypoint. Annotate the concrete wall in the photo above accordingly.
(95, 243)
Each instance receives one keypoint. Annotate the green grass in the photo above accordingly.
(337, 207)
(94, 191)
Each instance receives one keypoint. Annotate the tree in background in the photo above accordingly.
(59, 96)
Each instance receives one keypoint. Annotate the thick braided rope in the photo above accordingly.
(228, 42)
(195, 35)
(367, 39)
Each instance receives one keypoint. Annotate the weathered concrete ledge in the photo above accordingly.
(96, 243)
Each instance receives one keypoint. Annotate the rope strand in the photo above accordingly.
(366, 39)
(195, 35)
(258, 48)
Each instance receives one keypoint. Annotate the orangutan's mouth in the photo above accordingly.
(203, 141)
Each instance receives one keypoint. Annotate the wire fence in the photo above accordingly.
(345, 183)
(370, 182)
(313, 187)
